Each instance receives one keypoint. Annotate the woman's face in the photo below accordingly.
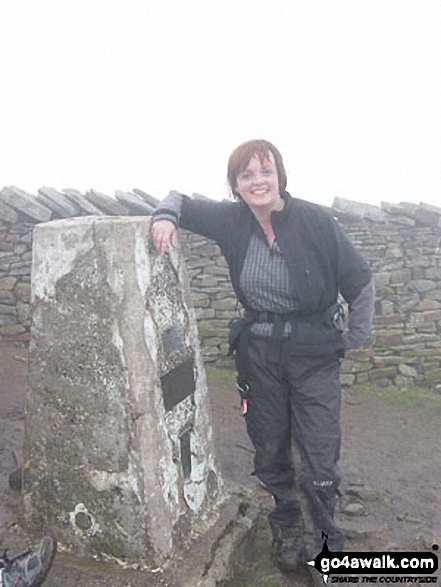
(258, 184)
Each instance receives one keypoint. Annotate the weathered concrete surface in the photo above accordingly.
(118, 446)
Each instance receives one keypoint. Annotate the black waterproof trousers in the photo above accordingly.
(298, 398)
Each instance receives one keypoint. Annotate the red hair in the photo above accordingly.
(242, 155)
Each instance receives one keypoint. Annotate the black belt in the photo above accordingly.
(254, 316)
(279, 320)
(242, 326)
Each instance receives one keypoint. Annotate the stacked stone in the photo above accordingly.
(212, 296)
(402, 244)
(19, 212)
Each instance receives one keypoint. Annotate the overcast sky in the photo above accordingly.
(118, 94)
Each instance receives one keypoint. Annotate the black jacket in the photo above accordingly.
(321, 260)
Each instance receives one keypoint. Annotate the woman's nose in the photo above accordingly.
(258, 178)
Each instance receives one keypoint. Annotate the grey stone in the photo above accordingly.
(387, 307)
(106, 204)
(421, 285)
(7, 213)
(347, 379)
(433, 273)
(58, 202)
(405, 303)
(381, 278)
(133, 202)
(6, 309)
(7, 320)
(409, 207)
(430, 208)
(407, 371)
(402, 220)
(204, 314)
(7, 297)
(392, 265)
(153, 202)
(354, 509)
(83, 203)
(21, 268)
(211, 269)
(391, 208)
(364, 493)
(7, 283)
(25, 204)
(426, 217)
(23, 291)
(23, 312)
(361, 210)
(225, 304)
(420, 338)
(10, 329)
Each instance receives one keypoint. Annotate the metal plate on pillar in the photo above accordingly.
(178, 384)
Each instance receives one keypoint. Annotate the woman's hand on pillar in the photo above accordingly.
(163, 233)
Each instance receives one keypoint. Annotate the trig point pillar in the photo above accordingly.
(118, 444)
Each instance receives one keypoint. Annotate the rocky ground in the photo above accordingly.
(391, 498)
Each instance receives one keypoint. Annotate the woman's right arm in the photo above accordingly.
(200, 215)
(163, 233)
(165, 222)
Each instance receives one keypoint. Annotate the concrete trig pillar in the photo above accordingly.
(118, 443)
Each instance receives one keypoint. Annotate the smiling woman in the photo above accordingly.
(288, 262)
(255, 180)
(256, 177)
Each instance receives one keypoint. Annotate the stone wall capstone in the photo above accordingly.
(401, 242)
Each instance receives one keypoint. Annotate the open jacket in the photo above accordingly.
(321, 261)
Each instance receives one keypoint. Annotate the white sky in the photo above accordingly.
(118, 94)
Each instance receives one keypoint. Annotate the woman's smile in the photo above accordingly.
(258, 184)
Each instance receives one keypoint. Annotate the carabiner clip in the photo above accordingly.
(244, 389)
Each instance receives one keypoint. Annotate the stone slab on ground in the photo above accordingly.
(205, 562)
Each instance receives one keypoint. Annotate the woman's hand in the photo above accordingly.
(163, 233)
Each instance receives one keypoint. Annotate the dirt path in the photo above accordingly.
(391, 465)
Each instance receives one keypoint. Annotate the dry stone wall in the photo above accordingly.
(401, 243)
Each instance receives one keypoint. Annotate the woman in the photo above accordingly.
(288, 261)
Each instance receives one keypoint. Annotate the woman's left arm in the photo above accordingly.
(357, 287)
(361, 312)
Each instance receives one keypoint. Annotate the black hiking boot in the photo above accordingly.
(287, 528)
(29, 569)
(289, 550)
